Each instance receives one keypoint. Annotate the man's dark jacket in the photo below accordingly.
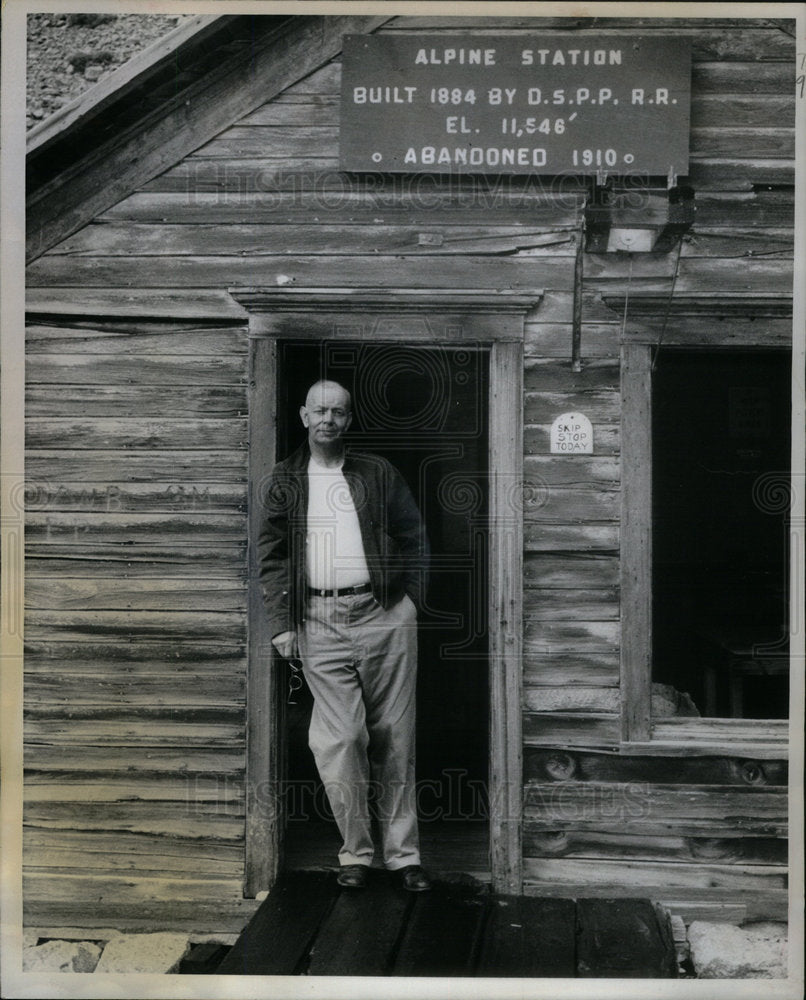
(395, 542)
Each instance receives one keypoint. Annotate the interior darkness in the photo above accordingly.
(425, 409)
(721, 457)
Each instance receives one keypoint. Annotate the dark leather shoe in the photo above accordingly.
(353, 876)
(414, 879)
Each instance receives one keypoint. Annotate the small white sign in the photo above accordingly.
(572, 434)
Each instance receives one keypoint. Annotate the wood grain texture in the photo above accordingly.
(121, 239)
(264, 744)
(506, 615)
(557, 765)
(686, 810)
(236, 87)
(655, 880)
(289, 919)
(137, 537)
(604, 926)
(147, 498)
(672, 845)
(515, 925)
(70, 400)
(88, 594)
(107, 369)
(357, 270)
(265, 197)
(135, 432)
(47, 470)
(636, 543)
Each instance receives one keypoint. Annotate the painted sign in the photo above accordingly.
(521, 104)
(571, 434)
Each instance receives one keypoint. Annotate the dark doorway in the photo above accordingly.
(721, 463)
(426, 410)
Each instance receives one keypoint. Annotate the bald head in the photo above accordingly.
(327, 415)
(325, 388)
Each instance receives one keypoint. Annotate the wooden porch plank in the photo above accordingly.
(359, 935)
(623, 938)
(279, 935)
(442, 932)
(529, 938)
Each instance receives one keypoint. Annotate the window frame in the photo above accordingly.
(640, 732)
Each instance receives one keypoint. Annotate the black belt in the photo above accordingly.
(361, 588)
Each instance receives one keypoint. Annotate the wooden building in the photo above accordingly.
(612, 719)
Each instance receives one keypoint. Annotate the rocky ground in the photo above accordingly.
(68, 53)
(705, 950)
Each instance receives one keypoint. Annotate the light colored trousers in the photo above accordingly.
(360, 662)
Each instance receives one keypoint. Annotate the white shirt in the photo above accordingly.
(334, 553)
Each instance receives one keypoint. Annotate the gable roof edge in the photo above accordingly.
(133, 73)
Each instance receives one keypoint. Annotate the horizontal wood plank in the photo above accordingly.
(571, 730)
(562, 605)
(140, 239)
(226, 915)
(653, 879)
(543, 407)
(119, 730)
(125, 889)
(297, 109)
(100, 686)
(570, 636)
(47, 469)
(67, 400)
(741, 110)
(176, 528)
(541, 765)
(119, 560)
(228, 341)
(130, 852)
(634, 806)
(178, 651)
(549, 375)
(295, 199)
(63, 788)
(618, 845)
(355, 270)
(197, 821)
(97, 761)
(720, 173)
(570, 699)
(762, 208)
(543, 536)
(576, 669)
(146, 498)
(185, 304)
(750, 141)
(277, 141)
(724, 241)
(574, 471)
(545, 504)
(89, 594)
(135, 625)
(166, 370)
(570, 571)
(135, 432)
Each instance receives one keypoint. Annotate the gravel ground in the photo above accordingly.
(68, 53)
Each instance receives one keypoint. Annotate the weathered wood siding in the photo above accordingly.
(135, 574)
(135, 622)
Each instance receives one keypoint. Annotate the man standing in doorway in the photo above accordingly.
(343, 558)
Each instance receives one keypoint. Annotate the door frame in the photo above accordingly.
(492, 318)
